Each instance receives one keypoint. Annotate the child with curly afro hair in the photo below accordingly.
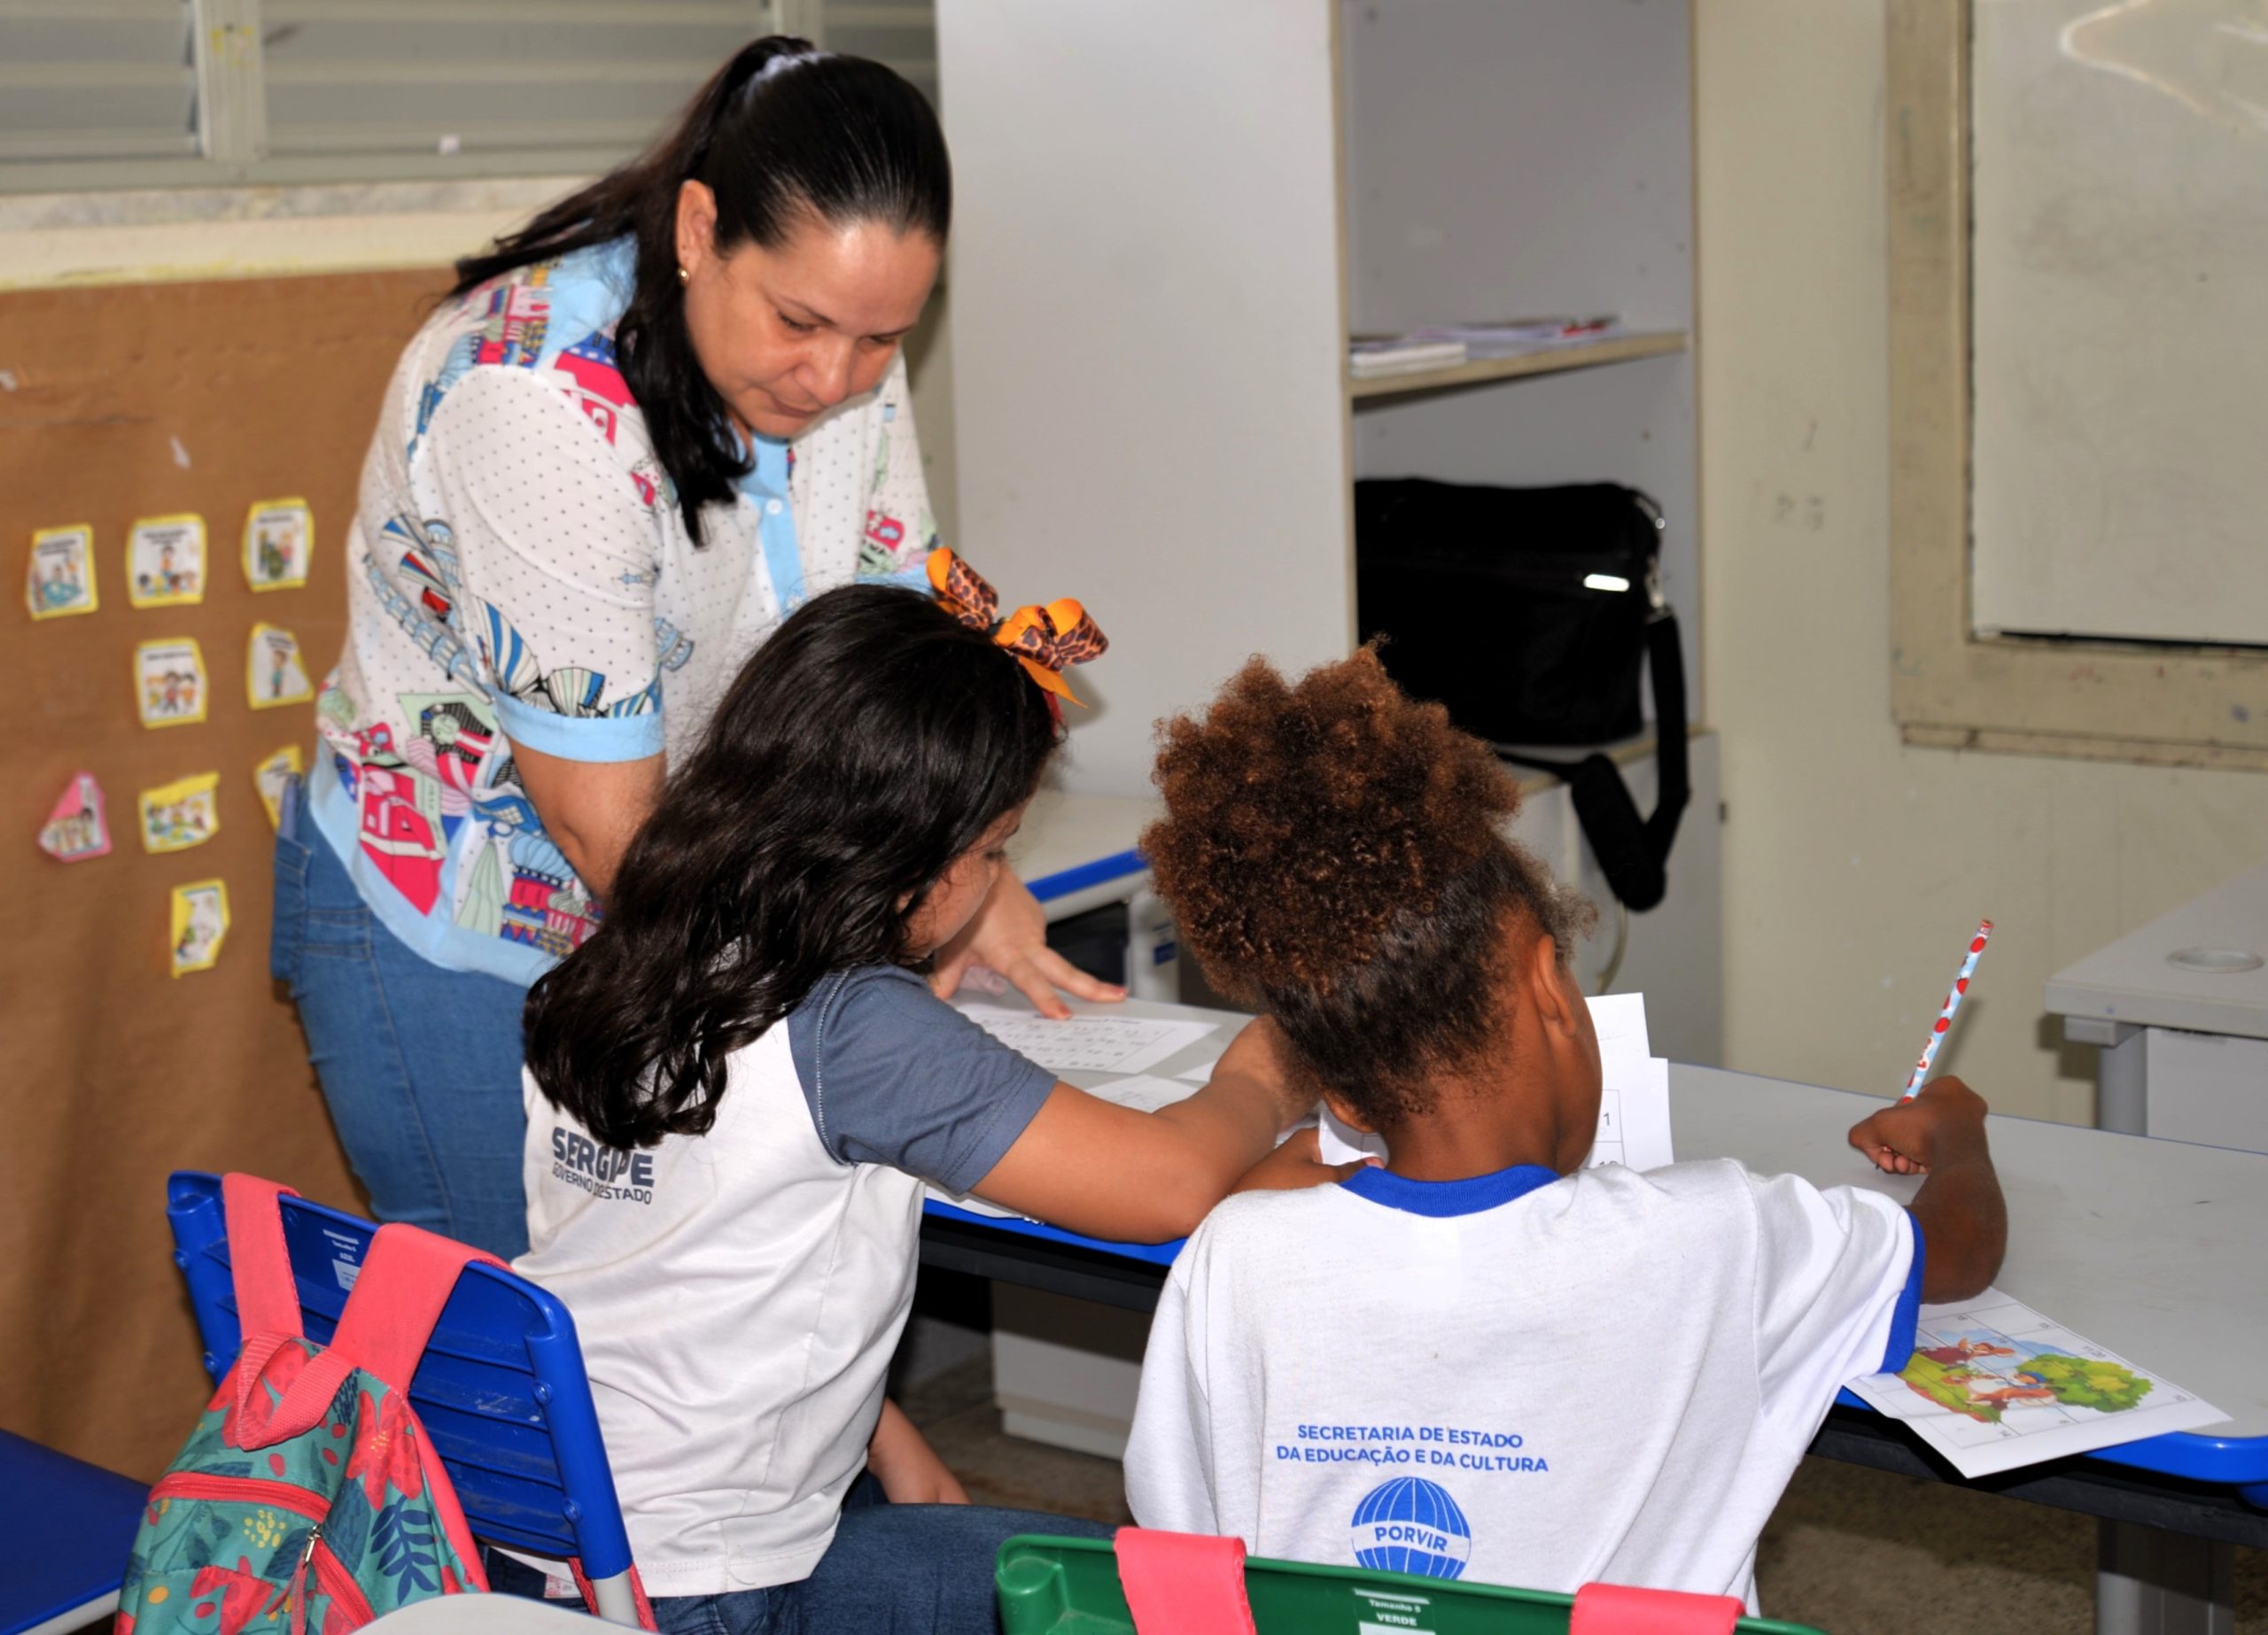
(1334, 856)
(1402, 1370)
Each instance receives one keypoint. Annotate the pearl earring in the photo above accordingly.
(683, 277)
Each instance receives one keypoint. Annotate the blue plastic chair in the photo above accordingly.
(65, 1529)
(501, 1387)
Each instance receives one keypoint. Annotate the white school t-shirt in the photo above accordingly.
(1519, 1379)
(738, 1294)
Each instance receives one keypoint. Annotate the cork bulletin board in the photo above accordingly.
(157, 402)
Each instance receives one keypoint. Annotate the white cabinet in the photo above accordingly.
(1169, 217)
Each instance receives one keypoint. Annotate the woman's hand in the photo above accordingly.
(1009, 934)
(906, 1466)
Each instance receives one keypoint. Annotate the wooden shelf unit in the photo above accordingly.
(1481, 371)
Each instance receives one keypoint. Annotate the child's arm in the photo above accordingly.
(906, 1466)
(1963, 1218)
(1090, 1166)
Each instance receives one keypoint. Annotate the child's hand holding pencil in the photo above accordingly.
(1908, 1136)
(1960, 1216)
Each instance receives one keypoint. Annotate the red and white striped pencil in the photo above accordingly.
(1944, 1023)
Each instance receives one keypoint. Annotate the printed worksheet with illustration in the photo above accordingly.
(1993, 1385)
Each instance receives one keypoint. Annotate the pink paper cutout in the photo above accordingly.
(76, 829)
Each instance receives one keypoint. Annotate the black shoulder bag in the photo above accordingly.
(1529, 612)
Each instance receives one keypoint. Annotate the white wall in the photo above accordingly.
(1853, 866)
(1112, 245)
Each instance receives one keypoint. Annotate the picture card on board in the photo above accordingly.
(77, 829)
(169, 682)
(279, 539)
(271, 774)
(274, 674)
(59, 577)
(183, 813)
(199, 925)
(164, 561)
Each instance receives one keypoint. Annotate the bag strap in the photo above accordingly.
(405, 1280)
(1183, 1584)
(267, 1297)
(261, 1423)
(1633, 852)
(1623, 1609)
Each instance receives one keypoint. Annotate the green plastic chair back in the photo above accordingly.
(1070, 1587)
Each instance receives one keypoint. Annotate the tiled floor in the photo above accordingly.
(1851, 1550)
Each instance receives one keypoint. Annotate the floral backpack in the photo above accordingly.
(307, 1497)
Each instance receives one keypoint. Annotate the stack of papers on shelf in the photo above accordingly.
(1633, 1103)
(1520, 336)
(1371, 356)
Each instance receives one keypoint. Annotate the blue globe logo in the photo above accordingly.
(1412, 1525)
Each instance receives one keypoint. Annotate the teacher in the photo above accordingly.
(638, 434)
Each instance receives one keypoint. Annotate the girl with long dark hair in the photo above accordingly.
(739, 1085)
(638, 434)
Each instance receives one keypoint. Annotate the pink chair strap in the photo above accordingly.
(1620, 1610)
(1183, 1584)
(405, 1282)
(268, 1301)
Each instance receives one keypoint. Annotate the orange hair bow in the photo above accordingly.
(1045, 639)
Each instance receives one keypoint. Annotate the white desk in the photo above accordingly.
(2180, 1019)
(2151, 1248)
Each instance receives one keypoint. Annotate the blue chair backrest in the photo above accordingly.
(501, 1387)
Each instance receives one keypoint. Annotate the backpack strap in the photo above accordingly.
(268, 1298)
(1623, 1609)
(268, 1315)
(406, 1280)
(594, 1599)
(1183, 1584)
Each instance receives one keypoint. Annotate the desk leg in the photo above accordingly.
(2122, 1089)
(2150, 1581)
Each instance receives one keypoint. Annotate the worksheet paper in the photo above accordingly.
(1120, 1044)
(1993, 1385)
(1633, 1103)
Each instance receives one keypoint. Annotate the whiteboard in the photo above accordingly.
(2120, 289)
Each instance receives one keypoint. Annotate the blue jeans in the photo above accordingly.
(893, 1569)
(421, 1066)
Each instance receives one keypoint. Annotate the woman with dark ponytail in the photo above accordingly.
(639, 433)
(737, 1088)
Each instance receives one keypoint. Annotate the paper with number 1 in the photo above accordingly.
(1633, 1103)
